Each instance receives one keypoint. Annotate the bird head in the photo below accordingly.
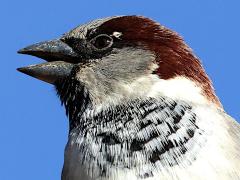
(116, 58)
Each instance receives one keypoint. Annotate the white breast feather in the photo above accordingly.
(217, 159)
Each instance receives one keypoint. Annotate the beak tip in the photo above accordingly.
(22, 51)
(22, 70)
(19, 69)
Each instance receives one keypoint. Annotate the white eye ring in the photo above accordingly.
(117, 34)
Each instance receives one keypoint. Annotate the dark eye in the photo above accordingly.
(102, 42)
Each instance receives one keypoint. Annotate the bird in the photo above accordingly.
(139, 102)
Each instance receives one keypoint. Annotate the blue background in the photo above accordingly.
(33, 129)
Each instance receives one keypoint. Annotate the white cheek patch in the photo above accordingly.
(117, 35)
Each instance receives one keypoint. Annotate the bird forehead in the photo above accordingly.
(81, 31)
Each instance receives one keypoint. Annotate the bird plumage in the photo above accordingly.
(139, 102)
(152, 137)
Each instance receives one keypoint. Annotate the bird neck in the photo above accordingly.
(77, 98)
(141, 135)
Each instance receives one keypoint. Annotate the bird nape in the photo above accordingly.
(139, 102)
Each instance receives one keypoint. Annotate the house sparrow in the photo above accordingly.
(139, 102)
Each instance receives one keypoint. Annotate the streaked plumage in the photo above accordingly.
(139, 102)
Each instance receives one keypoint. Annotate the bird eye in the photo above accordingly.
(102, 42)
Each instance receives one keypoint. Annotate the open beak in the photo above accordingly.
(60, 57)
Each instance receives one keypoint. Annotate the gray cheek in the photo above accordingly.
(125, 64)
(106, 77)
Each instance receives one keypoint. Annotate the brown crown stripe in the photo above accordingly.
(174, 57)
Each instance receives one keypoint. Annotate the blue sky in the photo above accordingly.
(34, 127)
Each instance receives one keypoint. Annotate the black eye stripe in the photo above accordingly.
(71, 41)
(94, 46)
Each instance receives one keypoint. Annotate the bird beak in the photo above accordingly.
(49, 72)
(60, 57)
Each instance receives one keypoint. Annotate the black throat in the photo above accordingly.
(75, 98)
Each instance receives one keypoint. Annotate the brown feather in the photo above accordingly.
(173, 55)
